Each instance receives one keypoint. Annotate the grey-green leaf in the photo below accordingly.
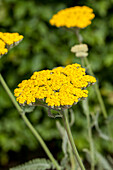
(28, 109)
(35, 164)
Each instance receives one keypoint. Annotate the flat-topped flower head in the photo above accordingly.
(78, 16)
(8, 40)
(60, 87)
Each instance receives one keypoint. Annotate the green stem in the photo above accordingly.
(72, 158)
(86, 111)
(97, 90)
(79, 37)
(67, 127)
(38, 137)
(35, 133)
(10, 94)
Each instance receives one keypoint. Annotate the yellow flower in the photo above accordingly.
(8, 40)
(78, 16)
(58, 87)
(11, 38)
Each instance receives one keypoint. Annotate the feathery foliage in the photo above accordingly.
(35, 164)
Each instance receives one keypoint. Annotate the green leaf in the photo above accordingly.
(64, 137)
(28, 109)
(65, 163)
(35, 164)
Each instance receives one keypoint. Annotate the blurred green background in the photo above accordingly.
(45, 47)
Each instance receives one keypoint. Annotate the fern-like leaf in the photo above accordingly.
(35, 164)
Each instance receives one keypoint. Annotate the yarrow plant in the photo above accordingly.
(56, 89)
(59, 89)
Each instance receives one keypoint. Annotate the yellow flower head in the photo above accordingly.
(78, 16)
(59, 87)
(8, 40)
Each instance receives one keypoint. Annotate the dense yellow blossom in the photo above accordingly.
(78, 16)
(8, 40)
(57, 87)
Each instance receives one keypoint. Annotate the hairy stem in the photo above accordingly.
(38, 137)
(70, 137)
(90, 138)
(10, 94)
(29, 125)
(72, 161)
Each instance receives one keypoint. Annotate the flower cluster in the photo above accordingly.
(8, 40)
(58, 87)
(78, 16)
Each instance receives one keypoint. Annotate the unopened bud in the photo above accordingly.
(79, 48)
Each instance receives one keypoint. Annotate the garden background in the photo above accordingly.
(45, 47)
